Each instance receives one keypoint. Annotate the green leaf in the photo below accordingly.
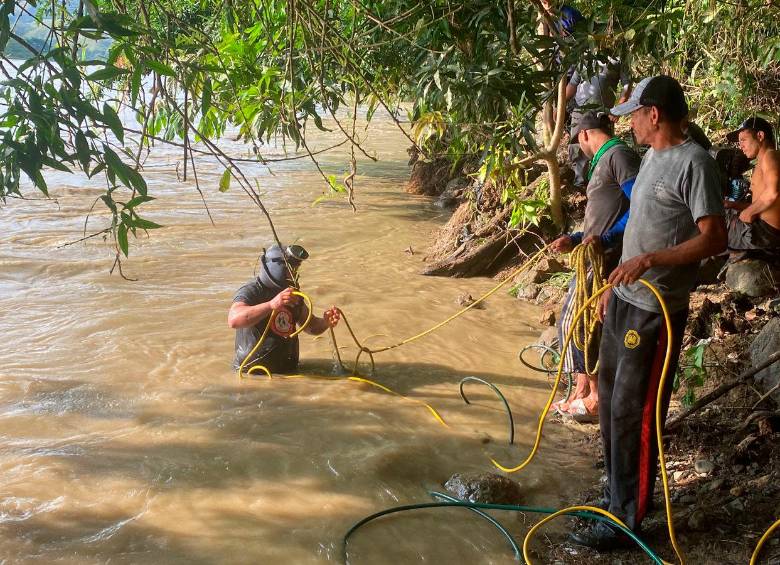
(121, 238)
(224, 181)
(137, 181)
(135, 85)
(46, 160)
(111, 119)
(40, 182)
(82, 150)
(106, 198)
(116, 166)
(160, 68)
(96, 170)
(138, 200)
(144, 224)
(108, 73)
(205, 99)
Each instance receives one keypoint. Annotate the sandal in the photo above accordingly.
(579, 413)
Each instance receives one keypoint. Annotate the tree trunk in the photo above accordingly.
(475, 261)
(556, 204)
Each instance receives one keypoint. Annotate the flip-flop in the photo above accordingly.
(579, 413)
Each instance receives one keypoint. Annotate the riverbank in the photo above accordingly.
(723, 469)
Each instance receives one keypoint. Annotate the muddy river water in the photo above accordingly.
(125, 437)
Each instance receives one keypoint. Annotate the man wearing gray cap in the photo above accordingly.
(676, 221)
(613, 168)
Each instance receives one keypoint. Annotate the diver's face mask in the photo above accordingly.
(296, 253)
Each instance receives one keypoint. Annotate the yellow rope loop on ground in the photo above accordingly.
(658, 407)
(271, 318)
(584, 257)
(762, 541)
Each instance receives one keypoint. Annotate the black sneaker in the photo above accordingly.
(602, 537)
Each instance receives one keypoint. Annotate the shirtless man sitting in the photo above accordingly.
(758, 224)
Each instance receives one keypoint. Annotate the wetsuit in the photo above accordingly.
(278, 353)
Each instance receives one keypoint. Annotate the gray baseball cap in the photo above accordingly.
(661, 91)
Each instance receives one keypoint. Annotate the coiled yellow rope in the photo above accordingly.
(584, 258)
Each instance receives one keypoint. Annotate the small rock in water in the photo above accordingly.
(737, 491)
(677, 476)
(548, 337)
(687, 499)
(528, 291)
(704, 466)
(488, 488)
(466, 299)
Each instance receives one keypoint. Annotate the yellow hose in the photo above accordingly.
(384, 388)
(309, 306)
(762, 541)
(531, 261)
(658, 407)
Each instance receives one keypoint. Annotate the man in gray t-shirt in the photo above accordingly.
(611, 176)
(676, 221)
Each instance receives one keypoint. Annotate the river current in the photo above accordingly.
(125, 437)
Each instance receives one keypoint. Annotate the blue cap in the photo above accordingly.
(569, 18)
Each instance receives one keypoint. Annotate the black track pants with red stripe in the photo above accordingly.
(633, 346)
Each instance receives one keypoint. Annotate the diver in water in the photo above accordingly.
(259, 298)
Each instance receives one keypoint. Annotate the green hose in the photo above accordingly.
(489, 518)
(511, 507)
(498, 393)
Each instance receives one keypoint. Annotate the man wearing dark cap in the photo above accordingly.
(272, 291)
(757, 225)
(613, 168)
(676, 221)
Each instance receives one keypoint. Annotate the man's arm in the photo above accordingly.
(243, 315)
(711, 240)
(318, 325)
(771, 189)
(574, 81)
(625, 93)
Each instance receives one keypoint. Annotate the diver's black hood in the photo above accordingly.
(273, 269)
